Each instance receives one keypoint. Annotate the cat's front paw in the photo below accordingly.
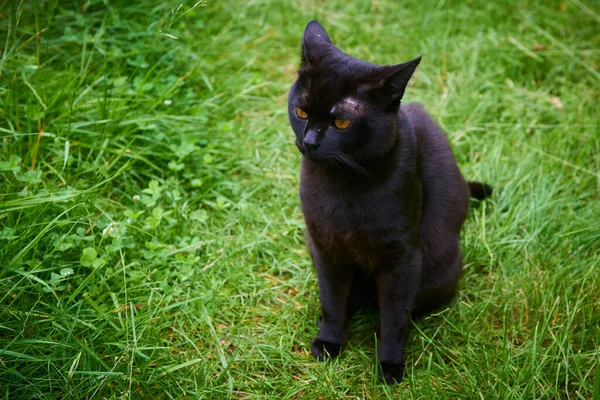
(323, 350)
(391, 373)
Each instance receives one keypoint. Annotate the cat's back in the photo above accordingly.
(433, 148)
(429, 135)
(445, 192)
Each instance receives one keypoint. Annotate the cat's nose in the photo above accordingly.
(310, 145)
(311, 140)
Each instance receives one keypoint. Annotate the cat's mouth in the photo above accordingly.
(336, 158)
(314, 154)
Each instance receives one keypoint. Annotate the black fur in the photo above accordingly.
(479, 190)
(383, 199)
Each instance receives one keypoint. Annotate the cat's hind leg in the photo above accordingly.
(438, 283)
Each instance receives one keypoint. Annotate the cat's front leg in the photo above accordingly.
(397, 288)
(334, 288)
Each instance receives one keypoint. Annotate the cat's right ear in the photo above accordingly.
(314, 37)
(396, 78)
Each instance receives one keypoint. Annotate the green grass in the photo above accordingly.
(151, 242)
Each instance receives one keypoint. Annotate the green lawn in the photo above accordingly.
(151, 241)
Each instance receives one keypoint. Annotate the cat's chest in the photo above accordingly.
(343, 213)
(363, 224)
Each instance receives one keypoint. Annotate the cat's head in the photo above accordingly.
(342, 107)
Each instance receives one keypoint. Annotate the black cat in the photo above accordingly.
(382, 196)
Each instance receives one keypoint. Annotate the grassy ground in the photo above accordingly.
(151, 243)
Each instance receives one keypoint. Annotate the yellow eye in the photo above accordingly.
(341, 123)
(300, 112)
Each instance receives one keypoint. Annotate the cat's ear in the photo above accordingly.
(314, 33)
(314, 36)
(396, 77)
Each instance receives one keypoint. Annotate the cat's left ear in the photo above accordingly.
(396, 78)
(312, 41)
(314, 33)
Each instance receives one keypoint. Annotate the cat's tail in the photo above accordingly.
(480, 190)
